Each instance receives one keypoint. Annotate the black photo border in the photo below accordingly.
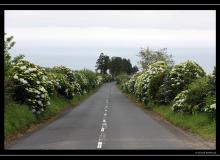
(101, 7)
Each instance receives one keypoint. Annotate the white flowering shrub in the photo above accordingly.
(196, 98)
(29, 85)
(179, 77)
(180, 104)
(210, 104)
(82, 81)
(92, 78)
(211, 108)
(64, 87)
(140, 87)
(148, 83)
(68, 81)
(99, 80)
(48, 81)
(156, 73)
(129, 85)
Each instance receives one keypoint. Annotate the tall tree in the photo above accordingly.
(119, 65)
(149, 56)
(102, 63)
(134, 69)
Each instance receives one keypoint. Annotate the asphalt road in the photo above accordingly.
(108, 120)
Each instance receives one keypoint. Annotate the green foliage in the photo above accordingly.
(16, 117)
(120, 65)
(8, 44)
(102, 63)
(65, 88)
(212, 82)
(149, 56)
(135, 69)
(129, 85)
(29, 85)
(197, 91)
(107, 78)
(148, 83)
(121, 79)
(93, 78)
(210, 105)
(199, 123)
(196, 98)
(179, 78)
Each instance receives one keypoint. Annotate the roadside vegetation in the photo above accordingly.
(181, 93)
(33, 93)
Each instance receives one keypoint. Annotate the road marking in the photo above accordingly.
(104, 126)
(99, 145)
(102, 137)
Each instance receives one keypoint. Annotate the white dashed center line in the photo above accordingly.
(99, 145)
(104, 126)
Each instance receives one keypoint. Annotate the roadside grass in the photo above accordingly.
(18, 118)
(199, 123)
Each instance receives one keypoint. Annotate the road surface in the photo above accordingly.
(107, 120)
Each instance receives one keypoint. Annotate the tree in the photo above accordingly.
(134, 69)
(102, 63)
(149, 56)
(119, 65)
(8, 44)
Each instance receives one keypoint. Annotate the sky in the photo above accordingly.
(75, 38)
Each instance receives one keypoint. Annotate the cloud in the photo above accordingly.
(157, 19)
(117, 37)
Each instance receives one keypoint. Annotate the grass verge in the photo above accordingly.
(18, 118)
(199, 123)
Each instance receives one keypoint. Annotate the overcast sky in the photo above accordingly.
(76, 38)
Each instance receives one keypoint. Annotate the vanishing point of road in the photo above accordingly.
(108, 120)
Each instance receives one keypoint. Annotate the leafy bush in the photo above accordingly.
(140, 86)
(130, 83)
(156, 73)
(195, 98)
(210, 104)
(148, 83)
(122, 78)
(212, 82)
(99, 80)
(29, 85)
(82, 81)
(179, 104)
(179, 78)
(92, 78)
(107, 78)
(64, 87)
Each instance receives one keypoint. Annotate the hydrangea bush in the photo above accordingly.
(148, 83)
(83, 82)
(179, 104)
(63, 87)
(29, 85)
(195, 99)
(179, 77)
(129, 85)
